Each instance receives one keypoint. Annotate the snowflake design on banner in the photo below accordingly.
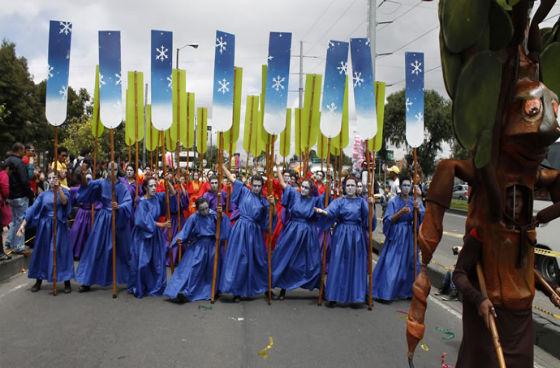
(357, 79)
(416, 67)
(331, 44)
(270, 58)
(221, 44)
(419, 117)
(63, 92)
(368, 42)
(101, 80)
(50, 71)
(342, 68)
(277, 83)
(161, 53)
(65, 27)
(408, 103)
(169, 81)
(118, 80)
(224, 86)
(331, 107)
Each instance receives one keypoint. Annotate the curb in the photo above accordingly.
(13, 266)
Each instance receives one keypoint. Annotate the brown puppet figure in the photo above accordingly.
(502, 73)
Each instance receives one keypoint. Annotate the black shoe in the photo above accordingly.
(236, 298)
(5, 257)
(67, 287)
(35, 288)
(282, 295)
(84, 289)
(453, 295)
(331, 304)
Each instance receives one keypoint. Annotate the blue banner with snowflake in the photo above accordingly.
(336, 70)
(222, 99)
(110, 85)
(364, 90)
(414, 98)
(277, 78)
(60, 35)
(162, 98)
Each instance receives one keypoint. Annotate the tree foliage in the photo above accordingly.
(437, 126)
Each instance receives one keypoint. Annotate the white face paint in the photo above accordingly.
(360, 188)
(405, 187)
(203, 209)
(305, 188)
(50, 180)
(214, 185)
(350, 188)
(286, 177)
(152, 187)
(256, 187)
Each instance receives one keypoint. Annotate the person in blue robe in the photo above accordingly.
(245, 264)
(177, 202)
(130, 182)
(81, 228)
(296, 261)
(347, 265)
(41, 216)
(149, 246)
(393, 275)
(192, 279)
(96, 263)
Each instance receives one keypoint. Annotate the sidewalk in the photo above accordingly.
(13, 266)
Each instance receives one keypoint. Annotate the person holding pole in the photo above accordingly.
(95, 267)
(41, 215)
(149, 246)
(192, 279)
(245, 267)
(347, 277)
(296, 261)
(394, 273)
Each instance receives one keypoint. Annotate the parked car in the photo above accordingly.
(547, 234)
(461, 191)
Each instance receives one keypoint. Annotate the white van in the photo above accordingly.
(548, 235)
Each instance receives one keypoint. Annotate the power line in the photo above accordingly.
(401, 15)
(318, 19)
(413, 40)
(404, 79)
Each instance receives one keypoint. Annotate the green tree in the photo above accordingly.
(437, 126)
(23, 118)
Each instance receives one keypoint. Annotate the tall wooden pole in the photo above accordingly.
(168, 209)
(270, 163)
(94, 163)
(370, 226)
(493, 328)
(324, 257)
(415, 221)
(113, 212)
(219, 218)
(136, 136)
(178, 159)
(55, 199)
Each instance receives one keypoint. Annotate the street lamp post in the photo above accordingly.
(193, 45)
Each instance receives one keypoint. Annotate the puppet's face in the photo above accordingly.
(152, 186)
(532, 119)
(305, 188)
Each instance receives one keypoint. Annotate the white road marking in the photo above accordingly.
(13, 289)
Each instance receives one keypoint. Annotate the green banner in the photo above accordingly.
(232, 135)
(134, 119)
(96, 125)
(377, 143)
(202, 130)
(252, 140)
(297, 132)
(152, 134)
(286, 135)
(178, 127)
(310, 116)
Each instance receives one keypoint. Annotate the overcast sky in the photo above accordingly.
(315, 22)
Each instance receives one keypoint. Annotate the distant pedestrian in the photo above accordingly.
(5, 210)
(20, 193)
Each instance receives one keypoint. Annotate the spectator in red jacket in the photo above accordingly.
(5, 211)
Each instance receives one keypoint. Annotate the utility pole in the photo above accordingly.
(300, 75)
(372, 23)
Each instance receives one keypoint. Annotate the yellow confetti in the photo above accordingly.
(264, 352)
(424, 346)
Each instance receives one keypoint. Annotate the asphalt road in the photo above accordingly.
(94, 330)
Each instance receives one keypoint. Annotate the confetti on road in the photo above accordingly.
(264, 352)
(447, 334)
